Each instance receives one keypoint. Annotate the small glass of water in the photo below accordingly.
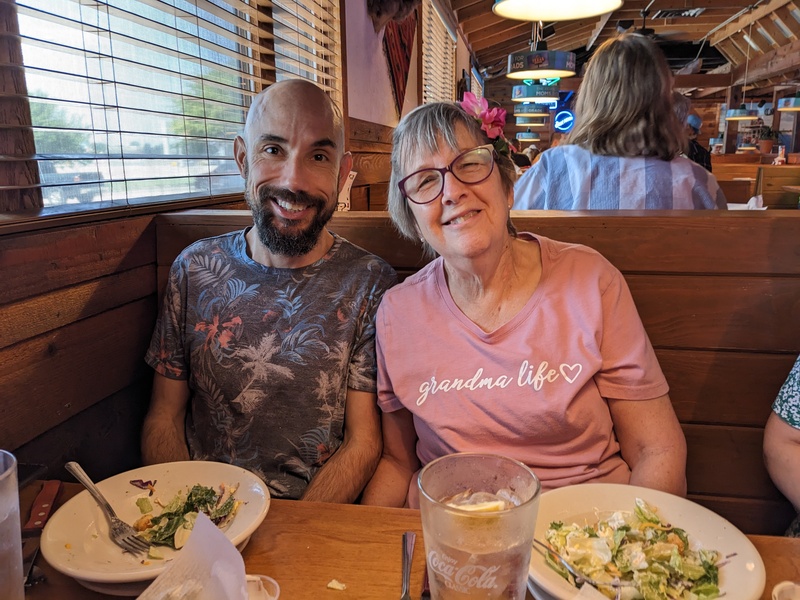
(10, 537)
(478, 516)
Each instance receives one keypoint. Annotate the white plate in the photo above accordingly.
(743, 577)
(76, 540)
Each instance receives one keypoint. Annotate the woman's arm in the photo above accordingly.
(651, 442)
(782, 457)
(389, 484)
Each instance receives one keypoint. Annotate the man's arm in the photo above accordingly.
(389, 485)
(651, 442)
(782, 457)
(164, 434)
(346, 473)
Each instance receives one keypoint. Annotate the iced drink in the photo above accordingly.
(478, 516)
(11, 584)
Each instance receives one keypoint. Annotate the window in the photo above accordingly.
(438, 57)
(476, 84)
(139, 101)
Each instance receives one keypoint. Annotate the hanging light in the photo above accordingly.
(531, 122)
(553, 10)
(528, 136)
(529, 109)
(743, 113)
(539, 62)
(791, 103)
(534, 93)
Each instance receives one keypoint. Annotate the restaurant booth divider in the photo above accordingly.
(718, 292)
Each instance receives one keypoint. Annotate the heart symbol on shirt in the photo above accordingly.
(570, 372)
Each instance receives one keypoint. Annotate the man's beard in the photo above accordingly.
(279, 239)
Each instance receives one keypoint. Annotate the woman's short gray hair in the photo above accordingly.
(424, 130)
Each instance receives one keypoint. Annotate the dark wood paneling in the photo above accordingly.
(371, 146)
(37, 264)
(371, 168)
(50, 378)
(765, 517)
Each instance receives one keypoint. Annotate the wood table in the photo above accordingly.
(793, 189)
(304, 545)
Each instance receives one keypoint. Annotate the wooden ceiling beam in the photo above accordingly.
(497, 35)
(597, 30)
(772, 64)
(474, 10)
(745, 20)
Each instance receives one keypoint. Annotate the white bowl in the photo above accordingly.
(742, 577)
(76, 540)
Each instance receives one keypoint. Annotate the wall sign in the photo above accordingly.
(563, 121)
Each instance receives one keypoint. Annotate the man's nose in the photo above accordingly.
(294, 175)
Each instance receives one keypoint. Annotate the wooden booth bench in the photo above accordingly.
(719, 295)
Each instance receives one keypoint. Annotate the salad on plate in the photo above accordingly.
(636, 548)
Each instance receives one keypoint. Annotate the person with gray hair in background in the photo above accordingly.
(625, 149)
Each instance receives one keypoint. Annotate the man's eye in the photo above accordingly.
(320, 157)
(271, 150)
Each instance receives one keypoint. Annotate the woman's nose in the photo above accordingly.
(452, 188)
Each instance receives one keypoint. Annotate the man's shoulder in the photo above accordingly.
(219, 243)
(353, 256)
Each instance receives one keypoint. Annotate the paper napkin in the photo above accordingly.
(208, 567)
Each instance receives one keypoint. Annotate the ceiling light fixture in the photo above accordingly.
(529, 109)
(528, 136)
(531, 122)
(534, 93)
(792, 103)
(539, 62)
(743, 113)
(553, 10)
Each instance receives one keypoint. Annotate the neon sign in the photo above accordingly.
(563, 121)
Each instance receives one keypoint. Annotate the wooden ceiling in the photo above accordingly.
(718, 34)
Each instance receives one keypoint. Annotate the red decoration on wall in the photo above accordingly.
(398, 43)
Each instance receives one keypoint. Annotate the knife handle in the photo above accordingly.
(42, 507)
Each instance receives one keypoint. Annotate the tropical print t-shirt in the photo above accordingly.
(269, 353)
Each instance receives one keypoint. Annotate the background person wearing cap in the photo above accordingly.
(697, 152)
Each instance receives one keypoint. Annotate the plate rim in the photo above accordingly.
(634, 491)
(116, 579)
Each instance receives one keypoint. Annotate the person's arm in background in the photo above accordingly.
(782, 457)
(389, 484)
(345, 474)
(164, 433)
(651, 442)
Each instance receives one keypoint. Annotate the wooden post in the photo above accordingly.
(732, 127)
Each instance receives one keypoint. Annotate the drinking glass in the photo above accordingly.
(10, 538)
(478, 516)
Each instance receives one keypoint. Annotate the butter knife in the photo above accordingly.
(32, 530)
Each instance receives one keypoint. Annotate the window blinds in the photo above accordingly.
(438, 57)
(136, 101)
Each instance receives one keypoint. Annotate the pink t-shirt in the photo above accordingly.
(533, 389)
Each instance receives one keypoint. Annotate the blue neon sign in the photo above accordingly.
(563, 121)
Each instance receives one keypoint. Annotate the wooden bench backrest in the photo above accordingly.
(738, 191)
(770, 182)
(728, 172)
(719, 295)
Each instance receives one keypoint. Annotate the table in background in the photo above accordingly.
(794, 189)
(304, 545)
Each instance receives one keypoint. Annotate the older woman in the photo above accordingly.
(508, 343)
(625, 149)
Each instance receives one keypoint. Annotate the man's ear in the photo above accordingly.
(344, 169)
(240, 154)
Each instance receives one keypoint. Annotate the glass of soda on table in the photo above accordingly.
(478, 516)
(11, 582)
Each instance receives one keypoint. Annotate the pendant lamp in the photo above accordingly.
(530, 109)
(743, 113)
(553, 10)
(791, 103)
(531, 122)
(528, 136)
(539, 62)
(534, 93)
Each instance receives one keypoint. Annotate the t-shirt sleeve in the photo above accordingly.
(530, 191)
(787, 404)
(362, 372)
(166, 353)
(630, 369)
(387, 399)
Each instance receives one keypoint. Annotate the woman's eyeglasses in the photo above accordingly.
(471, 166)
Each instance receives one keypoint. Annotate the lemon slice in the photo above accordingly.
(489, 506)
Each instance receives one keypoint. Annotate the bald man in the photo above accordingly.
(264, 351)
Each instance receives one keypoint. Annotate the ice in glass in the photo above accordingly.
(478, 516)
(11, 584)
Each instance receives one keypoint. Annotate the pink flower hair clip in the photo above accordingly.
(492, 121)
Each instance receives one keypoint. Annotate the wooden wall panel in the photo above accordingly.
(50, 378)
(371, 146)
(766, 517)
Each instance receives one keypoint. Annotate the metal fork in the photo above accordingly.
(122, 534)
(409, 537)
(580, 578)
